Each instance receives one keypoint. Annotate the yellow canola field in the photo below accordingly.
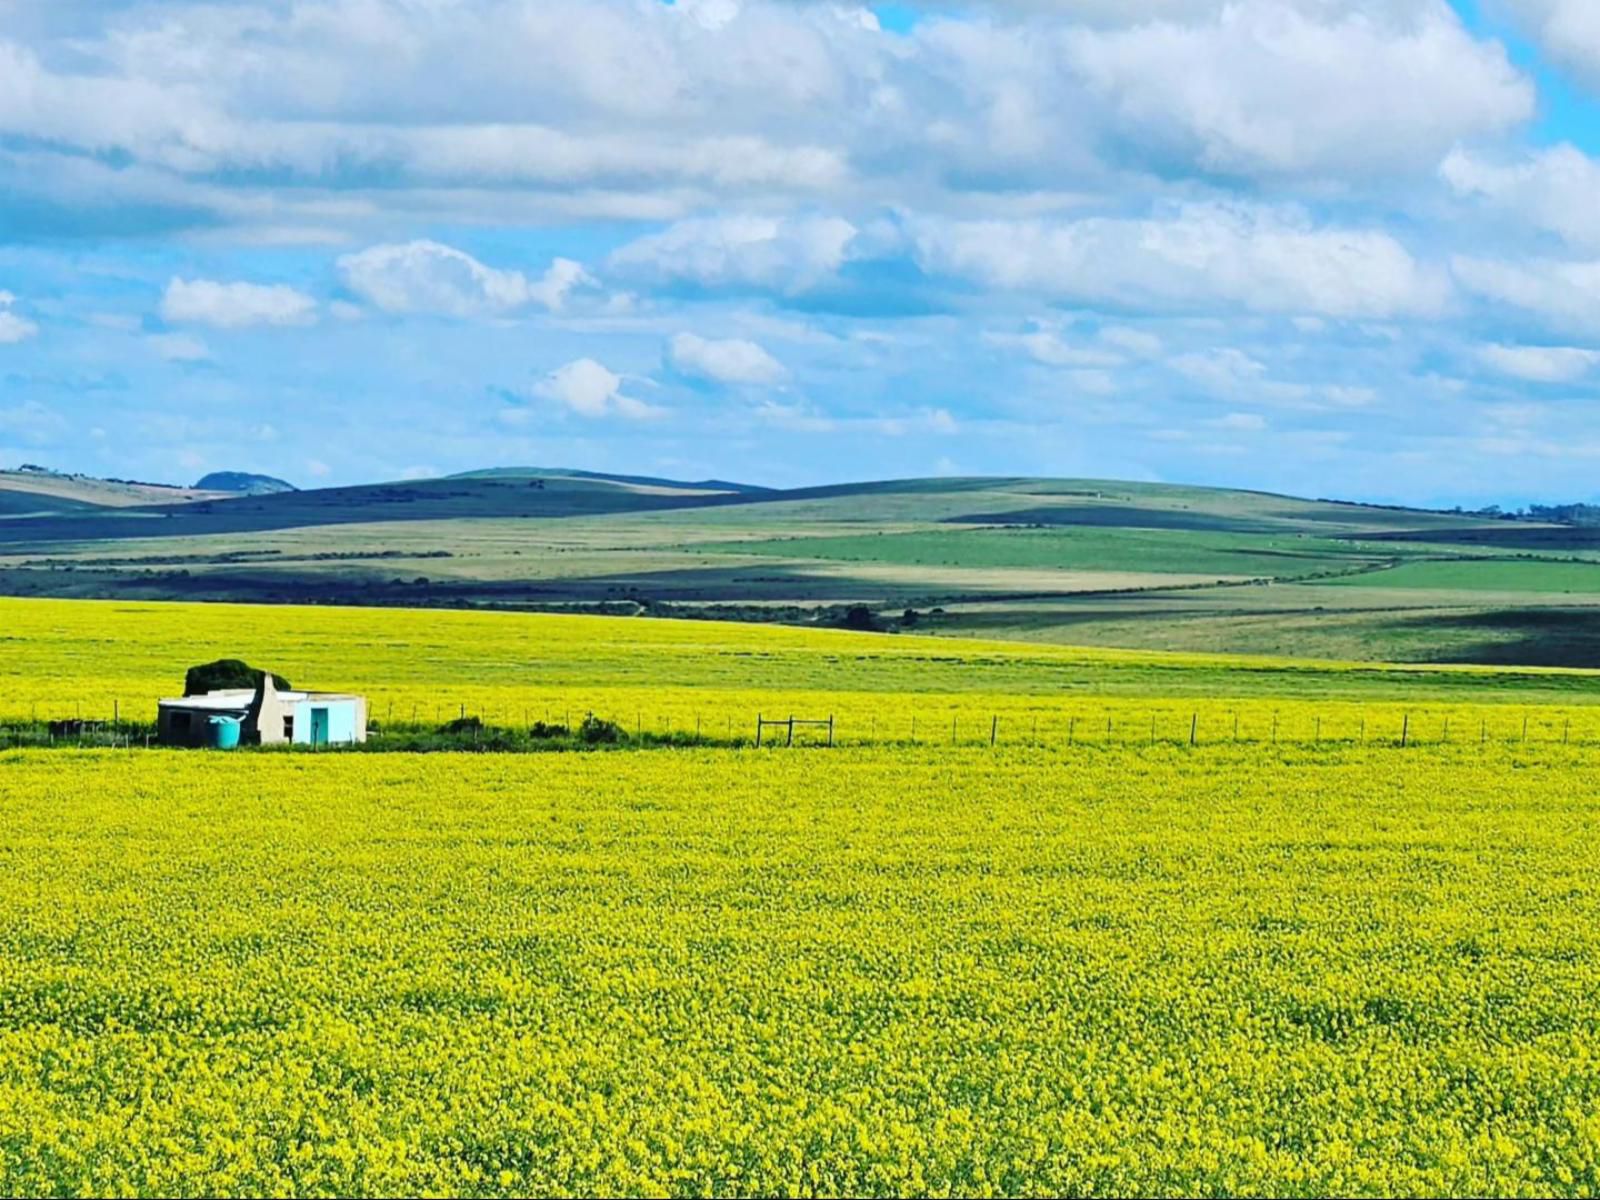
(98, 660)
(1236, 970)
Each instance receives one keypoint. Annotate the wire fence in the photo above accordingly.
(1078, 725)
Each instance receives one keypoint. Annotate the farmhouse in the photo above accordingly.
(263, 716)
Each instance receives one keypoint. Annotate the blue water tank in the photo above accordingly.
(222, 733)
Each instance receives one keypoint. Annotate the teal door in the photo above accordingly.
(319, 727)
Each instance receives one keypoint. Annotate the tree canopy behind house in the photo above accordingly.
(225, 674)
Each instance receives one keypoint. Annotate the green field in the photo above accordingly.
(1069, 561)
(1089, 548)
(1498, 575)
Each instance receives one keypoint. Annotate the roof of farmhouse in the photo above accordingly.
(237, 698)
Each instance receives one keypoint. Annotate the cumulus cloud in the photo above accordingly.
(1198, 257)
(1050, 348)
(235, 305)
(589, 389)
(1264, 87)
(735, 361)
(1110, 346)
(428, 277)
(1565, 294)
(787, 255)
(1541, 364)
(13, 328)
(1554, 190)
(1568, 29)
(1224, 371)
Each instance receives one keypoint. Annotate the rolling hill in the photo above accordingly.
(1083, 561)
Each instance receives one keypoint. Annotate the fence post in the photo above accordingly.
(759, 728)
(790, 742)
(1152, 729)
(1405, 731)
(1194, 730)
(1447, 731)
(994, 730)
(1274, 729)
(1236, 725)
(1524, 727)
(1317, 737)
(1566, 731)
(952, 730)
(1072, 729)
(830, 729)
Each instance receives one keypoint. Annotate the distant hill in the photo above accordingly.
(242, 483)
(32, 490)
(1082, 561)
(649, 481)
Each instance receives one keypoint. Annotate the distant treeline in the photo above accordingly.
(1555, 514)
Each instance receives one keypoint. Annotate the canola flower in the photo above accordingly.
(903, 971)
(98, 660)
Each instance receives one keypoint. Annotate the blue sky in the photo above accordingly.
(1334, 247)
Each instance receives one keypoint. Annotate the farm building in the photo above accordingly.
(263, 716)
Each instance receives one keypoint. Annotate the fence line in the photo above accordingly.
(1044, 725)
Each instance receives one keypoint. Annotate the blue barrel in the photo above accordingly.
(222, 733)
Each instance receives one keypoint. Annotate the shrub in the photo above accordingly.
(859, 616)
(225, 674)
(596, 732)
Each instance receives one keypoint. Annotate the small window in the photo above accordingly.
(288, 728)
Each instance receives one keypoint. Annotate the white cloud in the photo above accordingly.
(589, 389)
(731, 361)
(235, 305)
(1569, 29)
(1224, 371)
(13, 329)
(1199, 257)
(1564, 294)
(1051, 349)
(1541, 364)
(178, 347)
(1264, 87)
(254, 116)
(787, 255)
(1111, 346)
(1556, 189)
(428, 277)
